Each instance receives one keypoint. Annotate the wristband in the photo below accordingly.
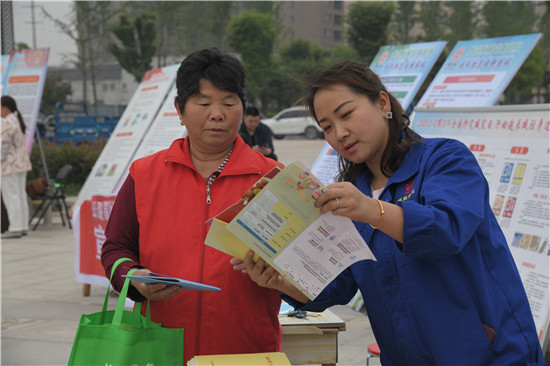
(381, 215)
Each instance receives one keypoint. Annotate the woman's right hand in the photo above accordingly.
(154, 291)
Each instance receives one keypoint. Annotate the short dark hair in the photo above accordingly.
(252, 111)
(225, 72)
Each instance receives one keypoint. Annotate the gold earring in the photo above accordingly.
(181, 122)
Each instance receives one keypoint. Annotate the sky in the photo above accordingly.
(47, 34)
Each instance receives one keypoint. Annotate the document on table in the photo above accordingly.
(282, 225)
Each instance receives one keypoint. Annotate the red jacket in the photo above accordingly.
(170, 202)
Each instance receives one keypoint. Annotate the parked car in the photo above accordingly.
(294, 121)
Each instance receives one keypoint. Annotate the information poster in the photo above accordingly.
(403, 68)
(23, 80)
(512, 146)
(114, 160)
(478, 71)
(163, 131)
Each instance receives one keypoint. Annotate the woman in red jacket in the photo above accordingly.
(158, 219)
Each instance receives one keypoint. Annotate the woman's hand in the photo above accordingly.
(266, 276)
(154, 291)
(344, 199)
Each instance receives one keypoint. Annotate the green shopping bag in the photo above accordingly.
(125, 338)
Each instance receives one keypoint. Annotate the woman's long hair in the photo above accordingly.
(362, 80)
(9, 102)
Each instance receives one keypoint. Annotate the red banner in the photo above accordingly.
(94, 215)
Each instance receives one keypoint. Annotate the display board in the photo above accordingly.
(23, 79)
(512, 146)
(403, 68)
(164, 130)
(133, 125)
(478, 71)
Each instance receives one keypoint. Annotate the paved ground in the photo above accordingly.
(41, 302)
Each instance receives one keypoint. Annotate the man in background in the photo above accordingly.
(257, 135)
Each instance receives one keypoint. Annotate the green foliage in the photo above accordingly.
(405, 17)
(508, 18)
(368, 24)
(431, 17)
(462, 21)
(136, 43)
(529, 76)
(22, 46)
(82, 157)
(55, 90)
(252, 35)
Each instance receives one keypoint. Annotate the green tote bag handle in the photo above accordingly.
(117, 318)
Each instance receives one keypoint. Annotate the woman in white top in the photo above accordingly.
(15, 165)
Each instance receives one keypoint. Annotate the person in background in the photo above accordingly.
(158, 219)
(444, 289)
(15, 165)
(256, 134)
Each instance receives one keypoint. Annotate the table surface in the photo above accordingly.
(326, 319)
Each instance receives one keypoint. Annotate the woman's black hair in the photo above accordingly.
(362, 80)
(225, 72)
(9, 102)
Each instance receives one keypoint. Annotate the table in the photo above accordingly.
(312, 340)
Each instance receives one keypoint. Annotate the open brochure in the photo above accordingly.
(160, 278)
(278, 220)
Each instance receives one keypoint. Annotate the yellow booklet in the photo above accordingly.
(278, 220)
(243, 359)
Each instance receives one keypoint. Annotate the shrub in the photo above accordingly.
(82, 157)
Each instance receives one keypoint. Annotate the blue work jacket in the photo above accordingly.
(451, 293)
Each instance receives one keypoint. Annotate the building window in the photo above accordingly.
(338, 20)
(337, 35)
(291, 4)
(291, 18)
(327, 17)
(328, 33)
(112, 86)
(327, 2)
(338, 5)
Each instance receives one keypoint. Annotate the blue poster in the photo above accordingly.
(478, 71)
(403, 68)
(24, 80)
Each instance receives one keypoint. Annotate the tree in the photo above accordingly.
(87, 27)
(405, 17)
(368, 23)
(136, 43)
(510, 18)
(252, 35)
(55, 90)
(431, 18)
(462, 21)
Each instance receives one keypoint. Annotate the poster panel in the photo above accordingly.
(403, 68)
(512, 146)
(24, 80)
(478, 71)
(163, 131)
(127, 135)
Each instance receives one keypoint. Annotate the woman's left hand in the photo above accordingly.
(265, 276)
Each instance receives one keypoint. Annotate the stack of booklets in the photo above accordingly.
(243, 359)
(278, 220)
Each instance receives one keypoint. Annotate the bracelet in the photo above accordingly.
(381, 215)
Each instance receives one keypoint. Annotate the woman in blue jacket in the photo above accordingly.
(444, 289)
